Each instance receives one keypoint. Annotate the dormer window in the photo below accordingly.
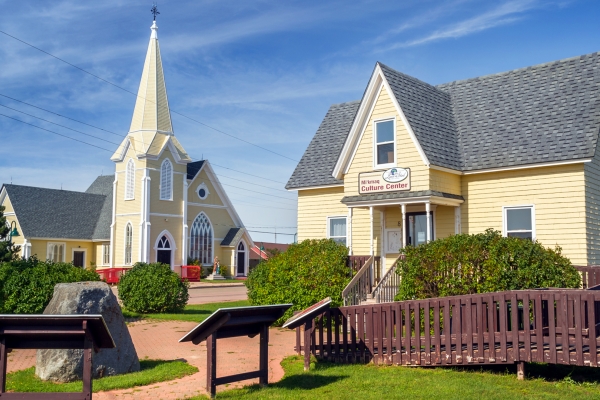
(384, 143)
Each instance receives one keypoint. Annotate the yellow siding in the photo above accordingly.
(407, 155)
(314, 206)
(174, 226)
(213, 197)
(98, 250)
(444, 181)
(592, 210)
(558, 194)
(361, 232)
(18, 240)
(174, 206)
(39, 248)
(444, 222)
(119, 237)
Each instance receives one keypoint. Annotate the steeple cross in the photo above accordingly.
(154, 11)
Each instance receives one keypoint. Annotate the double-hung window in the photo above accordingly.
(56, 252)
(519, 221)
(106, 254)
(384, 144)
(336, 229)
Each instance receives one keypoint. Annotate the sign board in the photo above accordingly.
(307, 313)
(391, 180)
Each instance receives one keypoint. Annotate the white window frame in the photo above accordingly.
(74, 249)
(166, 182)
(329, 236)
(212, 247)
(375, 144)
(129, 224)
(49, 253)
(202, 186)
(105, 246)
(172, 244)
(246, 258)
(130, 180)
(505, 219)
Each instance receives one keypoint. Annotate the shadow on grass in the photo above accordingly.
(303, 382)
(546, 372)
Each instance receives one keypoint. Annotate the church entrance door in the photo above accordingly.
(163, 251)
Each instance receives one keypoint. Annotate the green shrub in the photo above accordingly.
(153, 288)
(26, 286)
(303, 275)
(486, 262)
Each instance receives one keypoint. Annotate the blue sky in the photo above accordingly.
(265, 71)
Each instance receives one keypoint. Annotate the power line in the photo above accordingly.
(276, 233)
(121, 136)
(135, 94)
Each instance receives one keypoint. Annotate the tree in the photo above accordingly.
(8, 251)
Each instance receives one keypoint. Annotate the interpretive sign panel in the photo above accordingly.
(307, 313)
(391, 180)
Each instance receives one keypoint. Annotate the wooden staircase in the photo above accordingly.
(367, 288)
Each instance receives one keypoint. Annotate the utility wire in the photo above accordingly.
(135, 94)
(121, 136)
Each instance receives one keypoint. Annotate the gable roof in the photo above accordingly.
(57, 214)
(193, 169)
(315, 166)
(230, 236)
(540, 114)
(103, 185)
(544, 113)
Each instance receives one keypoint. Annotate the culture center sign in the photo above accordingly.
(391, 180)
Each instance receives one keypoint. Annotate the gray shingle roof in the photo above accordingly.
(51, 213)
(230, 236)
(193, 168)
(103, 185)
(544, 113)
(316, 165)
(548, 112)
(398, 195)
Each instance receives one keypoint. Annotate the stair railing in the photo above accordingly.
(360, 286)
(388, 286)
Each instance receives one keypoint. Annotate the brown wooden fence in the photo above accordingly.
(590, 275)
(559, 326)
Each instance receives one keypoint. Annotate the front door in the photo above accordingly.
(79, 258)
(241, 259)
(416, 228)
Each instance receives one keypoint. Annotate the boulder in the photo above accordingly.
(88, 298)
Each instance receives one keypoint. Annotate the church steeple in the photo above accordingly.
(151, 111)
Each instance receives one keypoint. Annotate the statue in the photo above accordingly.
(216, 266)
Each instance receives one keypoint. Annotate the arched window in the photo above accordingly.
(130, 180)
(201, 240)
(163, 243)
(128, 243)
(166, 181)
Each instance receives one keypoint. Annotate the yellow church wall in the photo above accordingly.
(213, 198)
(592, 209)
(119, 238)
(173, 225)
(174, 206)
(314, 206)
(407, 155)
(558, 194)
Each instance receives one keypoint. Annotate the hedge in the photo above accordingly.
(26, 286)
(486, 262)
(304, 274)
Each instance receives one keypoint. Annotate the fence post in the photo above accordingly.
(521, 370)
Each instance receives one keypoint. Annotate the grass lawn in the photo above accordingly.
(192, 313)
(152, 371)
(337, 381)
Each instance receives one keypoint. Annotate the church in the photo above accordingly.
(159, 206)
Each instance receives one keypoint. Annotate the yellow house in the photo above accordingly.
(159, 205)
(412, 162)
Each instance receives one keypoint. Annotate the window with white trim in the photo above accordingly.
(201, 240)
(130, 180)
(56, 252)
(106, 254)
(384, 143)
(519, 222)
(128, 243)
(166, 181)
(336, 229)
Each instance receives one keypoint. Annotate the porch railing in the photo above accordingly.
(388, 287)
(590, 275)
(360, 286)
(355, 263)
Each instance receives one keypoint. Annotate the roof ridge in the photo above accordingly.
(56, 190)
(410, 77)
(562, 60)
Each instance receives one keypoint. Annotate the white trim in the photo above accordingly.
(444, 169)
(172, 149)
(457, 221)
(169, 179)
(202, 186)
(403, 209)
(206, 205)
(172, 248)
(349, 230)
(9, 214)
(62, 240)
(413, 200)
(127, 214)
(522, 206)
(184, 225)
(329, 218)
(314, 187)
(429, 221)
(375, 144)
(129, 180)
(113, 223)
(125, 244)
(73, 250)
(103, 264)
(144, 246)
(166, 215)
(361, 121)
(49, 256)
(541, 165)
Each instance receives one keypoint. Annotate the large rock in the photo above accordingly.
(88, 298)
